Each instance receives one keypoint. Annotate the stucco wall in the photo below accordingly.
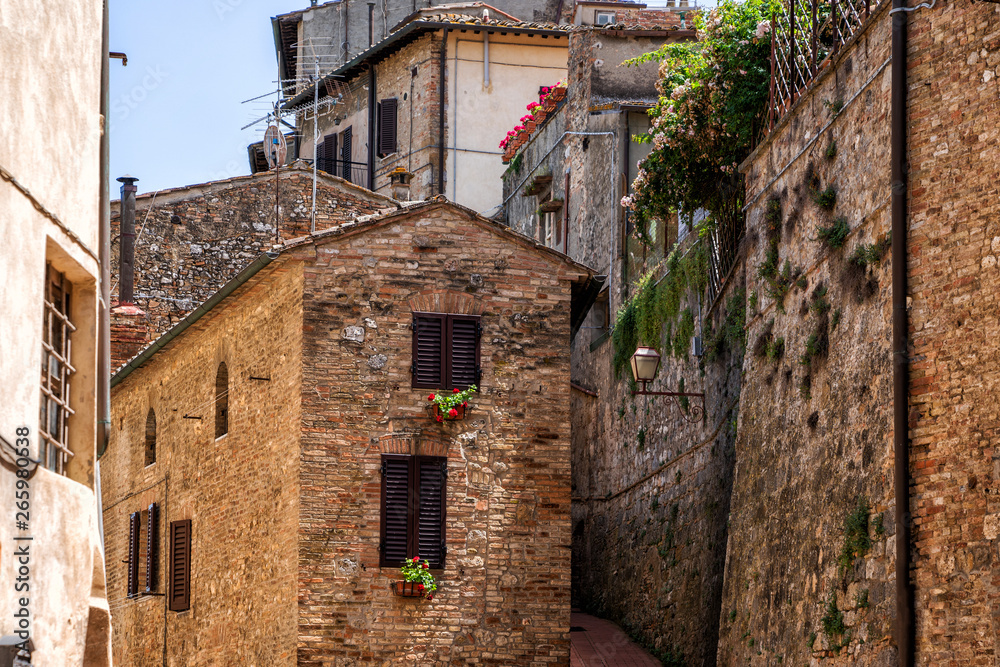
(240, 491)
(52, 126)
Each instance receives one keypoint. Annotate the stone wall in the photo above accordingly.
(814, 434)
(505, 588)
(240, 491)
(190, 241)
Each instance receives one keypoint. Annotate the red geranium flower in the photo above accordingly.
(465, 404)
(439, 417)
(454, 391)
(426, 566)
(430, 596)
(420, 587)
(453, 413)
(431, 397)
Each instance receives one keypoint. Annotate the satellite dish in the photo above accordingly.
(275, 148)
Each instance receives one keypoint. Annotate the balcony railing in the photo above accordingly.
(353, 172)
(806, 35)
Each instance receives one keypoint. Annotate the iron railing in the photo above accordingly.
(806, 34)
(723, 250)
(353, 172)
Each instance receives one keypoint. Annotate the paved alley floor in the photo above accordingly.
(599, 643)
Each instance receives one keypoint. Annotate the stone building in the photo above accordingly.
(52, 226)
(422, 112)
(247, 514)
(190, 241)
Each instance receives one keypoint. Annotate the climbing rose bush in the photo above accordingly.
(712, 109)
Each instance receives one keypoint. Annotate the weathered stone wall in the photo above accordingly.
(504, 596)
(191, 241)
(814, 433)
(240, 491)
(954, 153)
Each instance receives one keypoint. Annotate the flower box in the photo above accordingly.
(557, 94)
(458, 408)
(408, 589)
(529, 126)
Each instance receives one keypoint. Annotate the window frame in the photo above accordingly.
(605, 14)
(388, 131)
(413, 508)
(447, 330)
(221, 402)
(57, 352)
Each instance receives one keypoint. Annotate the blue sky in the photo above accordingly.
(175, 114)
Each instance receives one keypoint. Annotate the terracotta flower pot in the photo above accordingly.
(408, 589)
(540, 116)
(530, 125)
(557, 95)
(550, 104)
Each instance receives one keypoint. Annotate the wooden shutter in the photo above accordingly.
(396, 487)
(430, 509)
(180, 565)
(327, 154)
(463, 351)
(152, 546)
(134, 526)
(345, 153)
(387, 126)
(428, 370)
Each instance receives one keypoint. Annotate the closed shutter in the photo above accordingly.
(428, 369)
(345, 154)
(180, 565)
(328, 155)
(430, 513)
(395, 542)
(134, 526)
(463, 339)
(152, 546)
(387, 127)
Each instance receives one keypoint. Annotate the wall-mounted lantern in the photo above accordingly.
(645, 363)
(399, 179)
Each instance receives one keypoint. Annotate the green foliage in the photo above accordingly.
(833, 620)
(835, 235)
(670, 657)
(683, 400)
(752, 302)
(731, 333)
(653, 505)
(819, 304)
(415, 571)
(861, 599)
(641, 438)
(776, 349)
(826, 199)
(835, 319)
(877, 525)
(831, 150)
(732, 615)
(867, 254)
(711, 110)
(515, 165)
(856, 539)
(834, 106)
(776, 286)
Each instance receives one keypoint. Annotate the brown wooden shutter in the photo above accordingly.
(396, 503)
(180, 565)
(387, 126)
(152, 546)
(327, 155)
(431, 509)
(345, 153)
(134, 526)
(463, 351)
(428, 370)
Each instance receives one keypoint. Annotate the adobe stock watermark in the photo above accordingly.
(124, 104)
(22, 539)
(223, 7)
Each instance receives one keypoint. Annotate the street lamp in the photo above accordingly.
(645, 362)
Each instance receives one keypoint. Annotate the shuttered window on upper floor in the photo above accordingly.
(413, 509)
(180, 565)
(446, 351)
(387, 126)
(143, 551)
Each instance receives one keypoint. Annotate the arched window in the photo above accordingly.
(222, 401)
(150, 437)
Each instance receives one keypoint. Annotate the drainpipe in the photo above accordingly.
(900, 361)
(104, 325)
(126, 259)
(441, 98)
(371, 125)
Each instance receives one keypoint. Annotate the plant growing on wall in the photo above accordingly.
(711, 110)
(419, 576)
(452, 406)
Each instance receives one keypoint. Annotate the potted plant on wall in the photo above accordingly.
(417, 582)
(451, 407)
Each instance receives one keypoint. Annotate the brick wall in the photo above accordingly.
(240, 491)
(953, 245)
(190, 241)
(504, 596)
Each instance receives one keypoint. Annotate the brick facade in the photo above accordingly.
(329, 322)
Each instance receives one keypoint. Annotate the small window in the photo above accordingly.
(180, 565)
(346, 148)
(604, 18)
(599, 318)
(387, 126)
(150, 438)
(143, 550)
(413, 509)
(57, 351)
(445, 351)
(221, 401)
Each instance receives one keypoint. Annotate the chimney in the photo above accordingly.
(126, 248)
(371, 24)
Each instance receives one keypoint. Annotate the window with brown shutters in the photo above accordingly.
(345, 152)
(180, 565)
(387, 126)
(134, 528)
(152, 546)
(143, 550)
(446, 351)
(413, 509)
